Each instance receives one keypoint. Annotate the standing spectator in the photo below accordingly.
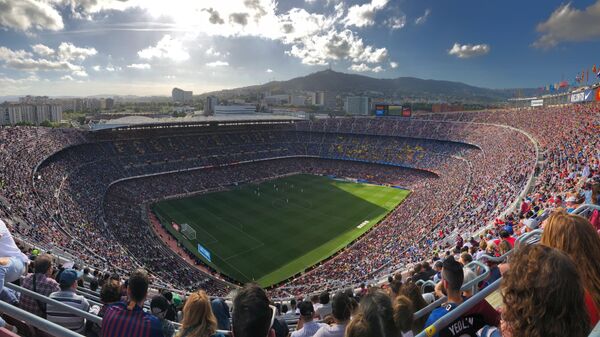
(543, 295)
(198, 318)
(325, 308)
(309, 326)
(341, 309)
(129, 319)
(374, 317)
(221, 311)
(159, 306)
(253, 316)
(474, 319)
(13, 263)
(67, 295)
(575, 236)
(41, 282)
(171, 314)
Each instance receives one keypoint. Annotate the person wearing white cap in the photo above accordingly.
(13, 263)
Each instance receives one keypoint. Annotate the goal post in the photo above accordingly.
(188, 231)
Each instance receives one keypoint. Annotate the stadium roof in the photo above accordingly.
(149, 121)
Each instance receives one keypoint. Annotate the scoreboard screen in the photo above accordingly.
(393, 110)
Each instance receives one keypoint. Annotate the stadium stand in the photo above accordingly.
(483, 184)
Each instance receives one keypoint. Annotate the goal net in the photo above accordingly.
(188, 231)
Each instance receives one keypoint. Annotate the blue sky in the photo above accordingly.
(146, 47)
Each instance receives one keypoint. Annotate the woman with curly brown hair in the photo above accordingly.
(576, 236)
(543, 295)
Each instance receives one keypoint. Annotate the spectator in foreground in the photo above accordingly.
(341, 309)
(476, 318)
(41, 282)
(67, 295)
(159, 306)
(309, 326)
(253, 316)
(413, 292)
(198, 318)
(221, 311)
(110, 293)
(325, 308)
(575, 236)
(403, 315)
(13, 263)
(374, 318)
(543, 295)
(128, 319)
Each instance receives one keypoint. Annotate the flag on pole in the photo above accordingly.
(594, 69)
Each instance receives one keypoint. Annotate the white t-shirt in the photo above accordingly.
(324, 310)
(308, 329)
(8, 247)
(336, 330)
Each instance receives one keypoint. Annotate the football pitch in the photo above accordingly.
(271, 231)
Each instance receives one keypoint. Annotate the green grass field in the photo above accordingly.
(270, 231)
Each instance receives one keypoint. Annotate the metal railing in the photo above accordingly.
(36, 321)
(586, 210)
(467, 286)
(453, 315)
(88, 316)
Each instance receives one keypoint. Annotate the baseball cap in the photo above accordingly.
(508, 229)
(531, 223)
(306, 308)
(69, 276)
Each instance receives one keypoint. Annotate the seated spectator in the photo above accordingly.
(13, 263)
(291, 314)
(413, 292)
(308, 327)
(171, 314)
(253, 316)
(221, 312)
(109, 294)
(437, 267)
(575, 236)
(394, 288)
(67, 295)
(403, 315)
(469, 274)
(374, 317)
(41, 282)
(325, 308)
(128, 319)
(341, 307)
(543, 295)
(94, 285)
(198, 318)
(476, 318)
(159, 306)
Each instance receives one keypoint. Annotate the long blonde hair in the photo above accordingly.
(576, 236)
(198, 318)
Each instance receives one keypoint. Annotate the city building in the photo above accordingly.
(14, 113)
(181, 96)
(210, 104)
(297, 100)
(357, 105)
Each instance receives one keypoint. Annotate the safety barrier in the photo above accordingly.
(471, 284)
(36, 321)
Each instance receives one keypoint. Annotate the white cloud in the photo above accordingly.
(269, 70)
(80, 73)
(393, 65)
(42, 50)
(26, 15)
(69, 52)
(217, 64)
(67, 78)
(364, 15)
(469, 50)
(423, 18)
(96, 68)
(23, 60)
(568, 24)
(166, 48)
(396, 22)
(111, 68)
(364, 68)
(140, 66)
(345, 45)
(212, 52)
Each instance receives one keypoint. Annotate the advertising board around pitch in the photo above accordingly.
(204, 252)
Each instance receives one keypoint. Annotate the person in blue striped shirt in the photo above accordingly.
(67, 295)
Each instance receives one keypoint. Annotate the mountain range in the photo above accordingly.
(409, 88)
